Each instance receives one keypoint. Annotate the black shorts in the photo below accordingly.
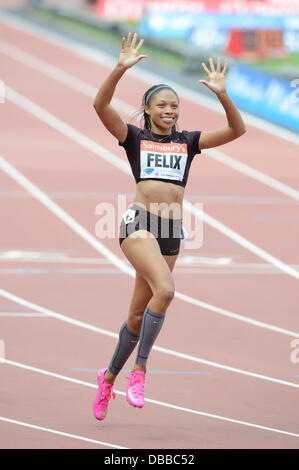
(168, 232)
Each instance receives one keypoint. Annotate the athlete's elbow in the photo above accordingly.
(239, 132)
(242, 127)
(97, 106)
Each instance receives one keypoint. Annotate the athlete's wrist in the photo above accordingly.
(222, 94)
(120, 69)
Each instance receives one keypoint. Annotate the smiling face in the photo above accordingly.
(163, 109)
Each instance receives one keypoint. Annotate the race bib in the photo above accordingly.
(160, 160)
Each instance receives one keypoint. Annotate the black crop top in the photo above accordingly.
(164, 158)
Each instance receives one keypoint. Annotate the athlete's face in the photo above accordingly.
(163, 110)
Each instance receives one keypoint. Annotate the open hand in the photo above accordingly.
(216, 81)
(129, 53)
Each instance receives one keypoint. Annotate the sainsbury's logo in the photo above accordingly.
(171, 147)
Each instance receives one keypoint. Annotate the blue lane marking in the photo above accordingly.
(81, 369)
(63, 271)
(275, 218)
(12, 307)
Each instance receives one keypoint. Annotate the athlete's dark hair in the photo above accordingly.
(146, 101)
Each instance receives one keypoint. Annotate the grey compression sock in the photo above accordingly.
(125, 346)
(151, 325)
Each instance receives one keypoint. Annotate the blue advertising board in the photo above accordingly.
(264, 95)
(179, 25)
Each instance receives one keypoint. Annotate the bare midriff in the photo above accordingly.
(160, 198)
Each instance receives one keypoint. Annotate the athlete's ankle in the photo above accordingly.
(109, 378)
(137, 367)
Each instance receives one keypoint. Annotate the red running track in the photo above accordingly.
(241, 389)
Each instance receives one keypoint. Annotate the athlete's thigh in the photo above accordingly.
(142, 292)
(145, 256)
(171, 260)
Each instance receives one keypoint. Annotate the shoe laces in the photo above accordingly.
(137, 382)
(106, 393)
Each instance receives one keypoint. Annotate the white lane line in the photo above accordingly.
(100, 151)
(184, 264)
(114, 271)
(59, 75)
(154, 402)
(60, 433)
(166, 351)
(99, 57)
(58, 316)
(222, 199)
(47, 257)
(39, 271)
(252, 173)
(261, 253)
(91, 91)
(64, 216)
(115, 260)
(66, 130)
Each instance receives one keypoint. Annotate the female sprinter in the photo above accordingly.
(150, 233)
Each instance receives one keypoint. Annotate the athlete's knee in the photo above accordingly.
(165, 293)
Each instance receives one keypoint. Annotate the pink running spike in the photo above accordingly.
(135, 389)
(100, 406)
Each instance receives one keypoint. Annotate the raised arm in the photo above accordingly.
(129, 56)
(235, 124)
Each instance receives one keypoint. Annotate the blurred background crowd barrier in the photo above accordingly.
(262, 27)
(259, 39)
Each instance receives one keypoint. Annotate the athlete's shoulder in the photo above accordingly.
(133, 133)
(135, 129)
(191, 138)
(189, 134)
